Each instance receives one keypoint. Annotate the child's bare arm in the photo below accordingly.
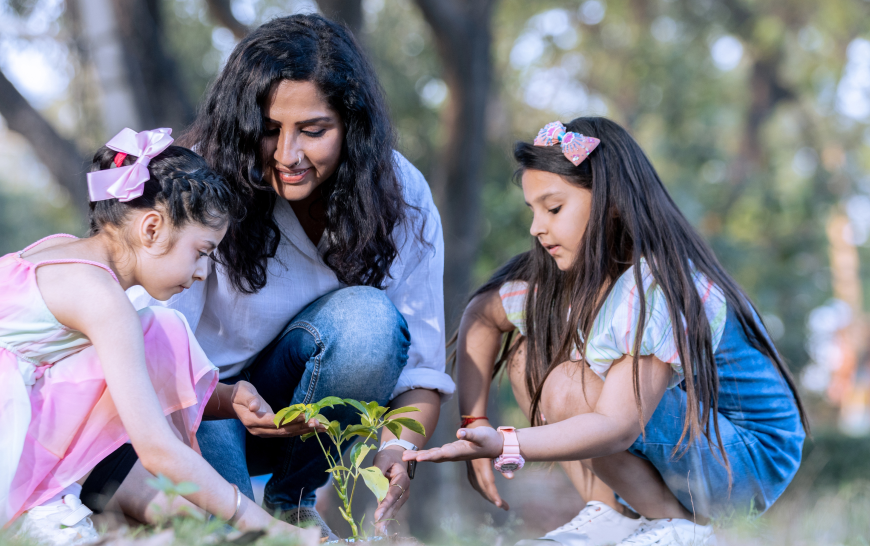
(100, 310)
(480, 333)
(611, 427)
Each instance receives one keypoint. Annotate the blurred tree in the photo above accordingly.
(463, 39)
(138, 77)
(60, 155)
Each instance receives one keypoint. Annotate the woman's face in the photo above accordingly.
(561, 213)
(303, 139)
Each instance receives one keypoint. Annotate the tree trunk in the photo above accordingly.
(463, 38)
(139, 80)
(63, 160)
(222, 13)
(105, 51)
(159, 93)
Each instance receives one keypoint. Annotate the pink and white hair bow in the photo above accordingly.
(575, 146)
(127, 183)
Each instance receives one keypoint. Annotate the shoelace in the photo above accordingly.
(646, 534)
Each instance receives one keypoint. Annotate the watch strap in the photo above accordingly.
(511, 442)
(404, 443)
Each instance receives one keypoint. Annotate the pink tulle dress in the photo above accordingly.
(57, 418)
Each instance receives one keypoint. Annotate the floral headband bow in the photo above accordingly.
(575, 146)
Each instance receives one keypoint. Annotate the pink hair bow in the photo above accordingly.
(127, 183)
(575, 146)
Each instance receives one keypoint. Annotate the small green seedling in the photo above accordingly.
(373, 417)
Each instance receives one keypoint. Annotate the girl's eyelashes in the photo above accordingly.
(314, 134)
(271, 132)
(556, 210)
(204, 254)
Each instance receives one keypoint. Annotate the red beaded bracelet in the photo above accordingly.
(468, 419)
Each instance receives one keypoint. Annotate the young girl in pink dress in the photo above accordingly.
(82, 372)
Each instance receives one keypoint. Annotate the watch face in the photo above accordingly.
(509, 467)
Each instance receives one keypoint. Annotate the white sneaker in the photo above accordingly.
(671, 532)
(596, 525)
(65, 522)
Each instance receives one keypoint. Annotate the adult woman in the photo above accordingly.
(332, 284)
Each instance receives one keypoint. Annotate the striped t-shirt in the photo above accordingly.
(613, 331)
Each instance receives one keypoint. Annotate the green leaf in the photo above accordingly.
(334, 428)
(337, 468)
(307, 436)
(376, 481)
(379, 411)
(410, 424)
(322, 419)
(359, 454)
(353, 453)
(360, 430)
(397, 411)
(371, 409)
(394, 427)
(330, 401)
(287, 417)
(186, 488)
(358, 405)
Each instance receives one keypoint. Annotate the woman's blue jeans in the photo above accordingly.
(351, 343)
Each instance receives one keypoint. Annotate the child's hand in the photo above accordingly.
(482, 478)
(474, 443)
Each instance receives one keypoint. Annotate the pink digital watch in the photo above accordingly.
(510, 459)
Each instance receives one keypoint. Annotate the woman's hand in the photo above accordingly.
(257, 416)
(395, 469)
(476, 443)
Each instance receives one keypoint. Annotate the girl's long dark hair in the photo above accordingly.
(632, 217)
(363, 198)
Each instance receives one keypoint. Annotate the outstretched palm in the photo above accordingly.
(476, 443)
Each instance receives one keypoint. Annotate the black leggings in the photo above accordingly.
(107, 476)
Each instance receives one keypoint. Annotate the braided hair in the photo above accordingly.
(182, 187)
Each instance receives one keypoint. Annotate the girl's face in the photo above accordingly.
(169, 261)
(303, 139)
(561, 213)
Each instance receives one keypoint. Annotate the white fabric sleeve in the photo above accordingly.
(417, 288)
(513, 299)
(615, 328)
(189, 303)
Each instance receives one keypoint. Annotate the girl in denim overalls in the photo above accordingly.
(662, 386)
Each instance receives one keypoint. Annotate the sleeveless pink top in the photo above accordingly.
(57, 418)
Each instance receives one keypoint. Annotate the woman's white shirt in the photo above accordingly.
(233, 327)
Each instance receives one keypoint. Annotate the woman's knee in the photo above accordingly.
(360, 329)
(360, 311)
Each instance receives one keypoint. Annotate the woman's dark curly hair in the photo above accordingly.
(363, 198)
(182, 186)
